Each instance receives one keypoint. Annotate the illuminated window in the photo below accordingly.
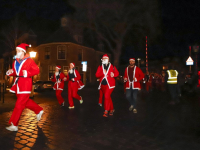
(65, 70)
(51, 71)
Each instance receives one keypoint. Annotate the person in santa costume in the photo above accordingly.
(23, 69)
(107, 73)
(59, 79)
(132, 77)
(74, 85)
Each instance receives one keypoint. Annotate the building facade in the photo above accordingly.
(63, 53)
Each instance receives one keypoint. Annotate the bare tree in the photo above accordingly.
(11, 33)
(115, 19)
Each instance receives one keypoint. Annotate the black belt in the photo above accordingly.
(23, 77)
(18, 78)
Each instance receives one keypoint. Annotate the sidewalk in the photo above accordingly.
(157, 126)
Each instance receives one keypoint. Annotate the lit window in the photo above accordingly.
(65, 70)
(51, 71)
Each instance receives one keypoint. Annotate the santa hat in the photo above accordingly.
(59, 67)
(133, 59)
(105, 56)
(22, 47)
(73, 64)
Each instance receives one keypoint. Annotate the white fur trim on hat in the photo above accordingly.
(21, 49)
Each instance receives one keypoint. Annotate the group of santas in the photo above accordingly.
(74, 84)
(132, 77)
(24, 68)
(107, 73)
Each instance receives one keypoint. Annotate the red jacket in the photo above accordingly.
(77, 79)
(24, 84)
(59, 84)
(138, 74)
(110, 80)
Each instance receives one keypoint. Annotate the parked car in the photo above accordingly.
(43, 85)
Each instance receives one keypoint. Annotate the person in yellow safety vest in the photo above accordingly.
(172, 83)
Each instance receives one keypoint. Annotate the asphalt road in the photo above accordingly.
(156, 126)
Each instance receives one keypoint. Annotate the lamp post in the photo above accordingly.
(139, 62)
(84, 69)
(32, 55)
(196, 50)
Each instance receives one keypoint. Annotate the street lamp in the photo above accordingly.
(139, 62)
(32, 54)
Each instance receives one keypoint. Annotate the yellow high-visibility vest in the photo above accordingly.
(172, 76)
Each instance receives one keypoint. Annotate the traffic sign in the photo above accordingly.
(189, 61)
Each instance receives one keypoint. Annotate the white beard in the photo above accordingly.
(18, 55)
(56, 73)
(105, 61)
(71, 71)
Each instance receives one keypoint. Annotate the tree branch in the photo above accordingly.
(106, 40)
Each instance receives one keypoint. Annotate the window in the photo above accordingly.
(47, 53)
(51, 71)
(61, 52)
(80, 55)
(65, 70)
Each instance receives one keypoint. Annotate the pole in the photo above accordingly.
(0, 91)
(190, 69)
(3, 91)
(146, 56)
(196, 70)
(84, 77)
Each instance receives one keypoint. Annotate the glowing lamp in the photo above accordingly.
(32, 54)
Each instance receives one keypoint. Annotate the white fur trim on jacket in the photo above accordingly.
(25, 73)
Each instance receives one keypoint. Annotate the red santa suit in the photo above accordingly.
(138, 74)
(74, 85)
(108, 84)
(59, 85)
(22, 86)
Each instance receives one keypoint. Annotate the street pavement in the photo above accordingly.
(156, 126)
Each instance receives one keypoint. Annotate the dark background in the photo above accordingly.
(179, 21)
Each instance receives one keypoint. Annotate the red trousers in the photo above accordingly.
(59, 97)
(72, 92)
(23, 101)
(100, 96)
(108, 104)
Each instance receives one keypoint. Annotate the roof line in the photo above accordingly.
(69, 43)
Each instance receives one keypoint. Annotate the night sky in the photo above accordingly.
(180, 23)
